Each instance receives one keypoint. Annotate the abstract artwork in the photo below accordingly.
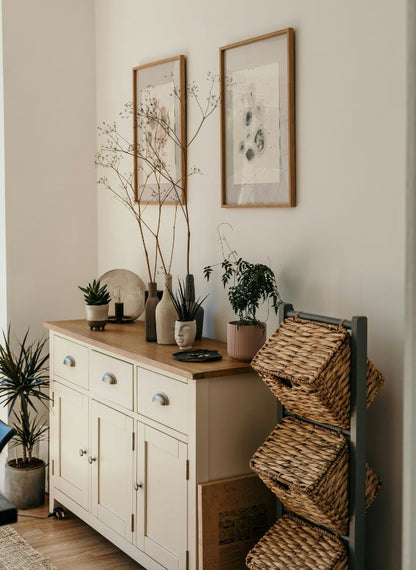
(257, 121)
(159, 131)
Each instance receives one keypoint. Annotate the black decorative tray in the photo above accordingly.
(197, 355)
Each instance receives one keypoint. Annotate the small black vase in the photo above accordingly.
(149, 313)
(190, 296)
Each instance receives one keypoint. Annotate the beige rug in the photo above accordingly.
(17, 554)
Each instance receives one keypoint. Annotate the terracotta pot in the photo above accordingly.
(244, 341)
(25, 487)
(97, 316)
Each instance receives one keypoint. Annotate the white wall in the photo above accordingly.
(409, 440)
(49, 203)
(341, 250)
(49, 97)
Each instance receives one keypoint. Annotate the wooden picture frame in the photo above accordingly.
(257, 86)
(159, 132)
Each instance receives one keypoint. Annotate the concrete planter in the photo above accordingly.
(25, 487)
(244, 341)
(97, 316)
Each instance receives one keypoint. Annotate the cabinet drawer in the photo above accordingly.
(112, 379)
(163, 399)
(70, 361)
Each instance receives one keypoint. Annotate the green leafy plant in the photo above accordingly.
(249, 284)
(23, 377)
(185, 308)
(95, 293)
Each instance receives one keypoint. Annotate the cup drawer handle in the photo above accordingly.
(69, 361)
(161, 398)
(109, 378)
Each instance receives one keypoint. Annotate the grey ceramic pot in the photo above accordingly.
(25, 487)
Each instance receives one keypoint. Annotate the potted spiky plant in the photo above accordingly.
(24, 380)
(186, 309)
(97, 301)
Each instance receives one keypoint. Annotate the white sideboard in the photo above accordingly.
(133, 432)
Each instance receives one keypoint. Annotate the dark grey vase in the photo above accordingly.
(149, 312)
(190, 296)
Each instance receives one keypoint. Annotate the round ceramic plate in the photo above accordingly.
(133, 288)
(197, 355)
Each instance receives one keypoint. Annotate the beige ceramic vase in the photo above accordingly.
(244, 341)
(166, 315)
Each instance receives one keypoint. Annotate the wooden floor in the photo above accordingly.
(71, 544)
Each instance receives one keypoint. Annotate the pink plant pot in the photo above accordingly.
(244, 341)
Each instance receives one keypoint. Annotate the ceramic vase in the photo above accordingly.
(190, 296)
(97, 316)
(149, 312)
(166, 315)
(244, 341)
(185, 332)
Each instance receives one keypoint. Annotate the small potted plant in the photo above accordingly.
(249, 286)
(186, 309)
(97, 300)
(24, 380)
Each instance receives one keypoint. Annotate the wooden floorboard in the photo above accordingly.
(70, 543)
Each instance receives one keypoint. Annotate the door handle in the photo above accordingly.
(83, 452)
(91, 459)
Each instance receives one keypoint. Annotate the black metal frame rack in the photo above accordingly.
(357, 431)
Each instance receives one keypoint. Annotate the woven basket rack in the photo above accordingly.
(294, 544)
(307, 367)
(307, 468)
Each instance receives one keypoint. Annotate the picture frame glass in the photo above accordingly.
(257, 115)
(159, 132)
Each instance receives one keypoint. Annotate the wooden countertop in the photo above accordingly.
(129, 341)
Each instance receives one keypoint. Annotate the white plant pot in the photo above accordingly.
(97, 316)
(185, 332)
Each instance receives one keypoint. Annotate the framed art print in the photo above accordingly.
(258, 122)
(159, 131)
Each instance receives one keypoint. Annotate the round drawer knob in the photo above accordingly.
(91, 459)
(138, 486)
(82, 452)
(160, 398)
(69, 361)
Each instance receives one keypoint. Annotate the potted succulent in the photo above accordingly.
(187, 310)
(23, 382)
(97, 300)
(249, 286)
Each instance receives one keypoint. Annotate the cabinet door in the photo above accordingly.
(69, 443)
(162, 497)
(112, 469)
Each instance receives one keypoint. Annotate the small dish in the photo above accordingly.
(200, 355)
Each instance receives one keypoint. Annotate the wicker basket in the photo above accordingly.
(307, 468)
(294, 544)
(307, 366)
